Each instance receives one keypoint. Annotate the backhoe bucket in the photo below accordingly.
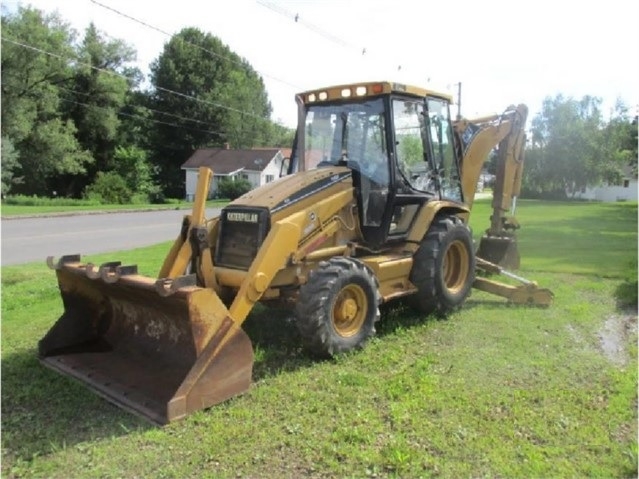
(159, 353)
(500, 250)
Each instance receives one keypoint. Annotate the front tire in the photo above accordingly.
(338, 307)
(443, 267)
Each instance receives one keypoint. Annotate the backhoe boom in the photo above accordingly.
(479, 137)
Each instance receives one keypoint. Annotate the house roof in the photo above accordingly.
(286, 152)
(224, 161)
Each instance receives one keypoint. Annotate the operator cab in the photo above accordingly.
(398, 142)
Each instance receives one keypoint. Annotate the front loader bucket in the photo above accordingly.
(159, 355)
(500, 250)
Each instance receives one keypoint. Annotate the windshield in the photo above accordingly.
(346, 134)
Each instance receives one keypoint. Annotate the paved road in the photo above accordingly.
(33, 239)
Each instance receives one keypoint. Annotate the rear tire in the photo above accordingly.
(338, 307)
(443, 267)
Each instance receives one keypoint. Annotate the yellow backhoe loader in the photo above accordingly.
(374, 206)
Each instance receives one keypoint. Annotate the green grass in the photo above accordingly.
(493, 391)
(572, 237)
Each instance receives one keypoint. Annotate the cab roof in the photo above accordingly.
(367, 89)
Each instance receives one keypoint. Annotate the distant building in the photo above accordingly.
(625, 190)
(257, 165)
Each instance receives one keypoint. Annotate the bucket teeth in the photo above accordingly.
(108, 271)
(168, 286)
(113, 271)
(127, 270)
(71, 258)
(91, 271)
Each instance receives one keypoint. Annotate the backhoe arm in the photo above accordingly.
(478, 138)
(481, 135)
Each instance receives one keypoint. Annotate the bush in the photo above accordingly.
(132, 164)
(537, 194)
(156, 197)
(232, 189)
(109, 188)
(24, 200)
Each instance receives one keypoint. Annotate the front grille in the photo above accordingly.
(242, 231)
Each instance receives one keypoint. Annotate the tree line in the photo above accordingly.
(79, 121)
(573, 146)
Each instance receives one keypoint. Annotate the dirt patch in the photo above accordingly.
(614, 336)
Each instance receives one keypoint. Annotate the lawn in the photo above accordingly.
(493, 391)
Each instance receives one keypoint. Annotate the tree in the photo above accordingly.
(94, 97)
(411, 150)
(573, 147)
(136, 122)
(280, 136)
(620, 136)
(214, 97)
(131, 164)
(9, 157)
(37, 57)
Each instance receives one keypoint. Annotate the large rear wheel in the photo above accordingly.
(443, 267)
(337, 308)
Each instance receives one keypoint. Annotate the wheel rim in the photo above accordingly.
(349, 310)
(456, 266)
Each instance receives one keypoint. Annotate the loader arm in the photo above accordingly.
(189, 242)
(290, 240)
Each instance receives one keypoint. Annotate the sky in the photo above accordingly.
(502, 52)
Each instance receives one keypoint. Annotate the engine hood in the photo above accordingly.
(292, 189)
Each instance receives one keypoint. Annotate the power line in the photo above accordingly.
(151, 120)
(114, 73)
(361, 50)
(148, 25)
(301, 21)
(131, 115)
(121, 113)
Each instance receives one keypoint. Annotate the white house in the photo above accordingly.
(258, 165)
(626, 190)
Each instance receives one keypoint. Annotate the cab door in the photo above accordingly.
(424, 164)
(441, 149)
(372, 176)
